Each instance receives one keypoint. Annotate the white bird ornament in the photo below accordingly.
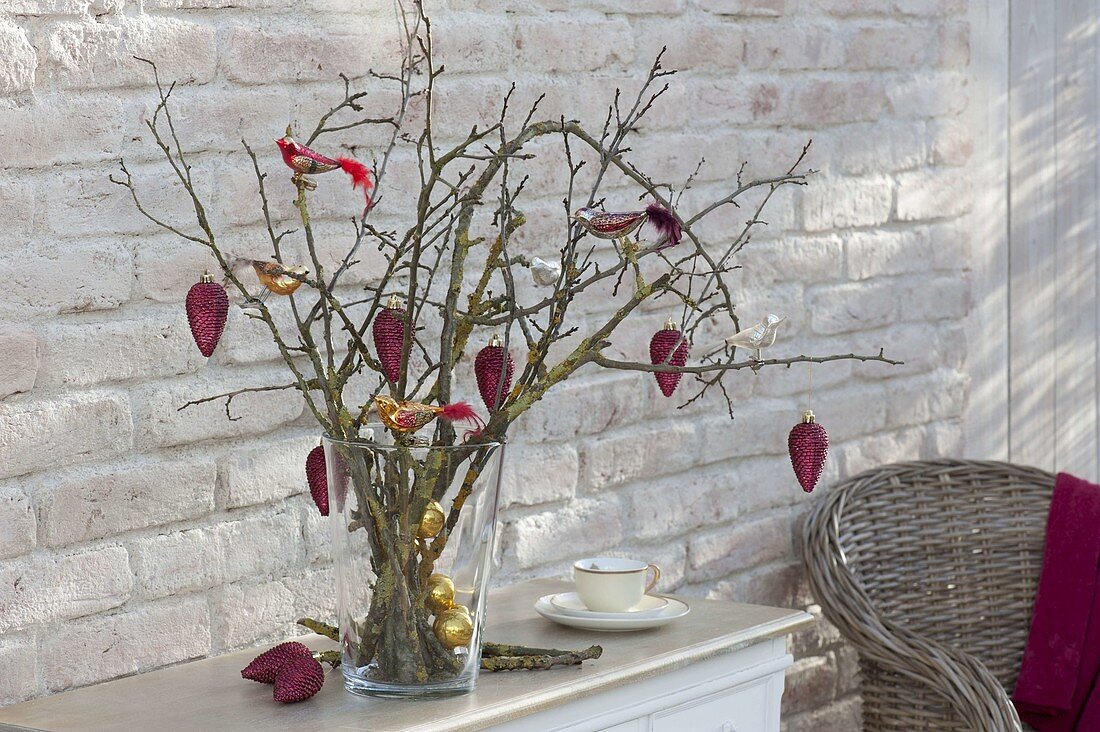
(757, 337)
(545, 273)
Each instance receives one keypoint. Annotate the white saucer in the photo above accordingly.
(618, 622)
(570, 603)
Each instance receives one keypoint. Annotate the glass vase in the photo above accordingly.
(412, 532)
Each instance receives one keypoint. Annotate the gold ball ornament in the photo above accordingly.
(441, 593)
(431, 523)
(454, 628)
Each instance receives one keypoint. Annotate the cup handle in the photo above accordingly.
(656, 577)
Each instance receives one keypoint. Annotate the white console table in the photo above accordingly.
(719, 669)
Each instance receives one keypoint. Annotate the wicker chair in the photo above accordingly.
(930, 570)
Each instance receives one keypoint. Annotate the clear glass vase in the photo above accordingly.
(413, 529)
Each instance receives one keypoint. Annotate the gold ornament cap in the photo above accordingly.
(395, 302)
(207, 278)
(808, 417)
(670, 324)
(495, 341)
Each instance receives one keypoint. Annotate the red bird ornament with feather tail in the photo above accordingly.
(306, 161)
(619, 225)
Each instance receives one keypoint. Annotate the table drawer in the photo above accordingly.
(740, 709)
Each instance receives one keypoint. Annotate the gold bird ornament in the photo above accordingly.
(410, 416)
(277, 278)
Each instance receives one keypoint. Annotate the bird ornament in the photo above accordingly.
(277, 278)
(619, 225)
(306, 161)
(410, 416)
(757, 337)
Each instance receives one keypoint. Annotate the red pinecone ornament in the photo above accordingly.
(298, 680)
(207, 308)
(317, 477)
(489, 366)
(660, 346)
(808, 444)
(389, 337)
(266, 666)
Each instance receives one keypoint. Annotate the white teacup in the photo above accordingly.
(609, 585)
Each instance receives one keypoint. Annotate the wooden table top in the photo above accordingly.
(211, 695)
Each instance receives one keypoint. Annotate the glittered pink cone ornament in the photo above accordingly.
(266, 666)
(389, 337)
(298, 680)
(489, 367)
(207, 308)
(660, 348)
(317, 477)
(808, 444)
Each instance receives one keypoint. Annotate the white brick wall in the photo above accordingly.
(121, 518)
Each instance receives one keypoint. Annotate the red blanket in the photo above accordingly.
(1057, 690)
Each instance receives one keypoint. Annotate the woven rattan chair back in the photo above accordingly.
(944, 550)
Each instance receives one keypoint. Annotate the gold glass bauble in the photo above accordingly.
(441, 593)
(431, 523)
(454, 628)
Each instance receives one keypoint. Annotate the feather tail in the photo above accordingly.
(459, 412)
(666, 223)
(360, 175)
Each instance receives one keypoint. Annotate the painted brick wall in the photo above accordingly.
(134, 536)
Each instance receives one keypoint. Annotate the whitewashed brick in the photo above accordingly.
(98, 649)
(244, 613)
(928, 95)
(802, 259)
(17, 524)
(584, 525)
(18, 360)
(59, 279)
(933, 194)
(19, 659)
(96, 55)
(846, 308)
(841, 203)
(878, 147)
(878, 253)
(201, 558)
(929, 7)
(535, 474)
(592, 45)
(50, 432)
(836, 101)
(88, 504)
(931, 397)
(157, 421)
(876, 450)
(159, 344)
(928, 300)
(750, 8)
(952, 143)
(953, 49)
(628, 456)
(255, 56)
(261, 475)
(892, 46)
(672, 505)
(45, 588)
(18, 59)
(747, 543)
(789, 48)
(715, 44)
